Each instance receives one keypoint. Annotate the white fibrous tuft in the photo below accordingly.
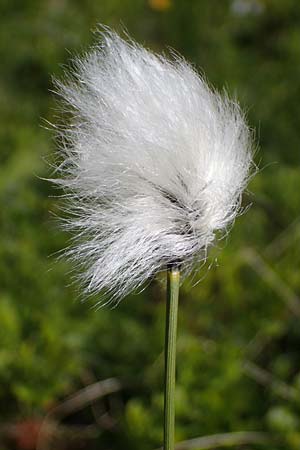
(154, 164)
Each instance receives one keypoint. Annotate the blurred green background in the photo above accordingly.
(239, 328)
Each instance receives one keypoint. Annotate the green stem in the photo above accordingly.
(173, 278)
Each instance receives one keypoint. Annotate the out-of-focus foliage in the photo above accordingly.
(239, 328)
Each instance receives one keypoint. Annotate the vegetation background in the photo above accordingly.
(239, 329)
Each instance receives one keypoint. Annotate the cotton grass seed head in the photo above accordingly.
(154, 164)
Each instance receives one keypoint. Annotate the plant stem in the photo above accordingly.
(173, 278)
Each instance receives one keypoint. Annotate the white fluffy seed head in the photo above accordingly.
(154, 164)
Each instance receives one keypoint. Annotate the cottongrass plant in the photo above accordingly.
(154, 163)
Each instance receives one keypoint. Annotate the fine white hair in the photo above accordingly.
(154, 164)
